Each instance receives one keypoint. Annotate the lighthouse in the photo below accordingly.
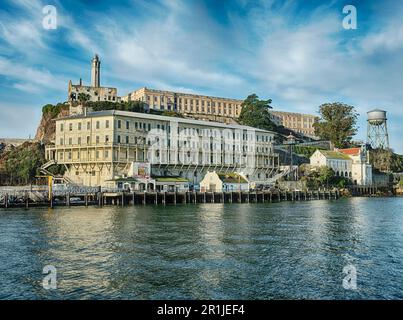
(95, 72)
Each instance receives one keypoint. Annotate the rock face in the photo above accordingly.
(47, 127)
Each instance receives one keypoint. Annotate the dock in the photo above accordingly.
(122, 198)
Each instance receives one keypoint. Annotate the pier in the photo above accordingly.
(121, 198)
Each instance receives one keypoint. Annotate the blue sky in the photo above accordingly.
(294, 52)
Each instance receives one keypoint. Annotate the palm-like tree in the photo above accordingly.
(83, 97)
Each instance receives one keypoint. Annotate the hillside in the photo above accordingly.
(19, 165)
(47, 127)
(386, 160)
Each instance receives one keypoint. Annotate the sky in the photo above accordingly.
(296, 53)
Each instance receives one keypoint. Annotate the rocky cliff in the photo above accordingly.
(47, 127)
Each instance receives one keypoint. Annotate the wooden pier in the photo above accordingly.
(165, 198)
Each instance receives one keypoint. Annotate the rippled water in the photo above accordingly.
(205, 251)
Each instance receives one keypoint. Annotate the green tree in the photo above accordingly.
(83, 97)
(325, 174)
(255, 113)
(337, 123)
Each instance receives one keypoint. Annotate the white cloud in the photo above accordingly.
(30, 78)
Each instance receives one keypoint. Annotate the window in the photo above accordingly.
(97, 139)
(61, 141)
(106, 139)
(97, 124)
(79, 126)
(127, 139)
(79, 140)
(61, 127)
(70, 127)
(88, 125)
(70, 141)
(106, 154)
(127, 125)
(107, 124)
(119, 124)
(118, 139)
(88, 139)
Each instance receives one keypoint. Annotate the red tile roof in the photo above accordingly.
(351, 151)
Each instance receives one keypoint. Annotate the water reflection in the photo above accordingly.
(210, 251)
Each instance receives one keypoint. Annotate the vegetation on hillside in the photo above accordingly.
(337, 123)
(168, 113)
(306, 151)
(324, 177)
(21, 163)
(385, 160)
(132, 106)
(54, 110)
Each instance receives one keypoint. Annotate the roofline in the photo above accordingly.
(186, 93)
(329, 157)
(161, 118)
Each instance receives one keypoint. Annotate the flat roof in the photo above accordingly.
(161, 118)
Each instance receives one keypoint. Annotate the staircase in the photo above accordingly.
(286, 170)
(45, 166)
(44, 170)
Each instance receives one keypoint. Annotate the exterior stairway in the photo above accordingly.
(45, 171)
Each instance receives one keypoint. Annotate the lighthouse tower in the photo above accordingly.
(95, 72)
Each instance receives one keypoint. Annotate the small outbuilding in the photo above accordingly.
(223, 182)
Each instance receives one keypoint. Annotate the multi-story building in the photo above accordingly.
(101, 148)
(201, 106)
(298, 122)
(213, 108)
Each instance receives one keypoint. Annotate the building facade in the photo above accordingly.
(99, 148)
(339, 162)
(224, 182)
(187, 104)
(298, 122)
(361, 169)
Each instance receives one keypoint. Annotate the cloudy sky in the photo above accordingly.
(297, 54)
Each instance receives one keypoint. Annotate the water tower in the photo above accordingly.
(377, 131)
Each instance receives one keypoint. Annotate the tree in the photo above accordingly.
(255, 113)
(337, 123)
(325, 174)
(83, 97)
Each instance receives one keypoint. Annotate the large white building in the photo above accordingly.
(350, 163)
(101, 148)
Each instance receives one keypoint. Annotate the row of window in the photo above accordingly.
(189, 101)
(79, 126)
